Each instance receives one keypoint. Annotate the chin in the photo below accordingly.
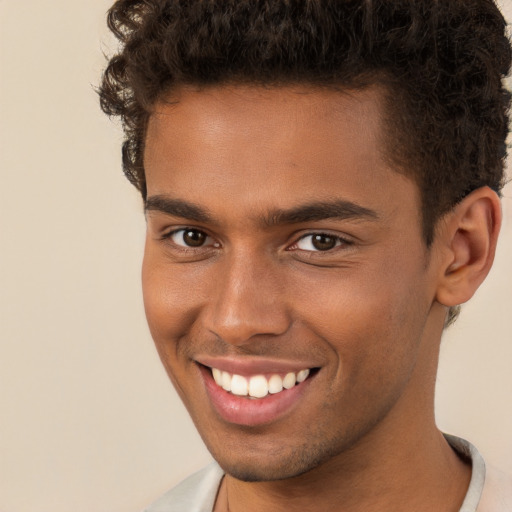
(257, 473)
(280, 466)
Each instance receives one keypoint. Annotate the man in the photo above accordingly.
(320, 181)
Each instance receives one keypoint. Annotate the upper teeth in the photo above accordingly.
(257, 386)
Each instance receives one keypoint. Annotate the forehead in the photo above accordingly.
(271, 147)
(245, 102)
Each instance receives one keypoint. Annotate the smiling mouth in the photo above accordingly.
(255, 392)
(258, 386)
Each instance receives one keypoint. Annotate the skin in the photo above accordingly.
(368, 313)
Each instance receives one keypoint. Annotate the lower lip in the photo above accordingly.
(252, 412)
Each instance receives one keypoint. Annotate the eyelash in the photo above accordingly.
(187, 248)
(338, 240)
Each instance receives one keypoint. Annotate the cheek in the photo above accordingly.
(170, 303)
(375, 344)
(172, 295)
(372, 320)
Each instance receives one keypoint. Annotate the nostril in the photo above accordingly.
(243, 327)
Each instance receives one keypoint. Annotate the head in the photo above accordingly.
(258, 117)
(439, 63)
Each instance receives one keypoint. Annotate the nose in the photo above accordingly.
(246, 300)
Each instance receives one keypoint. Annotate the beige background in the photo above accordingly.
(88, 420)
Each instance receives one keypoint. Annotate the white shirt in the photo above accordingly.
(488, 491)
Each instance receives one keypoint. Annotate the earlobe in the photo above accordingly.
(468, 237)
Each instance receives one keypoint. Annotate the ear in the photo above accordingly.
(468, 236)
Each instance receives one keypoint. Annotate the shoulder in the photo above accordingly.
(197, 493)
(497, 492)
(489, 490)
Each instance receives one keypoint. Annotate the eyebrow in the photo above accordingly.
(177, 208)
(337, 209)
(310, 212)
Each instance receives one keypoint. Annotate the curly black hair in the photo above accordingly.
(440, 61)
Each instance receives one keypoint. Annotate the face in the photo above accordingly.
(286, 282)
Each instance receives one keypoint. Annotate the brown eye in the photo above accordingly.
(189, 237)
(194, 238)
(319, 242)
(323, 242)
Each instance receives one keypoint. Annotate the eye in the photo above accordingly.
(319, 242)
(188, 237)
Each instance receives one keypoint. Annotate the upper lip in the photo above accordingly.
(254, 365)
